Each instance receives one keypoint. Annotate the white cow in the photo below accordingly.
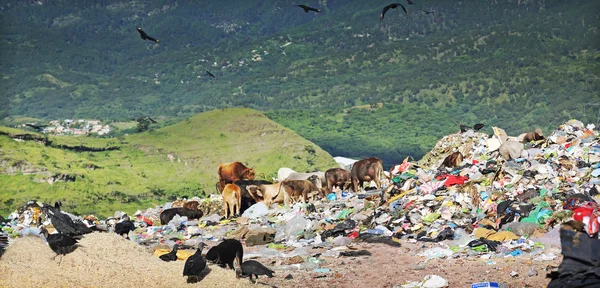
(283, 173)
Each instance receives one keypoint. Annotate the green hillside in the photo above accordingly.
(511, 63)
(135, 171)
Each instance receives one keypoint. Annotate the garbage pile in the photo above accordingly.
(500, 198)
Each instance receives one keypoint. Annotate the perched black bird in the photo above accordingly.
(171, 256)
(478, 127)
(391, 6)
(306, 8)
(61, 221)
(123, 227)
(194, 265)
(81, 227)
(428, 12)
(254, 268)
(145, 36)
(210, 74)
(225, 253)
(59, 243)
(464, 128)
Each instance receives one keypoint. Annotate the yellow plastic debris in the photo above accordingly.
(181, 254)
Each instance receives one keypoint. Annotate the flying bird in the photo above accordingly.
(306, 8)
(210, 74)
(37, 127)
(254, 268)
(171, 256)
(61, 221)
(391, 6)
(428, 12)
(410, 2)
(194, 265)
(145, 36)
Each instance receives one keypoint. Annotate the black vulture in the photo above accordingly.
(194, 265)
(391, 6)
(428, 12)
(61, 221)
(254, 268)
(210, 74)
(171, 256)
(225, 253)
(306, 8)
(478, 126)
(502, 206)
(59, 243)
(464, 128)
(123, 227)
(145, 36)
(410, 2)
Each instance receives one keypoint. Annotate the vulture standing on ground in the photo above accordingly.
(59, 243)
(3, 242)
(254, 268)
(145, 36)
(171, 256)
(123, 227)
(391, 6)
(306, 8)
(194, 265)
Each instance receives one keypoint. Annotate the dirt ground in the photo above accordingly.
(106, 260)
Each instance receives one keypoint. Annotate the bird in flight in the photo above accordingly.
(210, 74)
(391, 6)
(428, 12)
(37, 127)
(145, 36)
(306, 8)
(410, 2)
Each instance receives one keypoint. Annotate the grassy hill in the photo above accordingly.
(135, 171)
(510, 63)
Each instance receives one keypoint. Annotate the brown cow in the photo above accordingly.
(533, 136)
(229, 172)
(232, 200)
(267, 193)
(337, 177)
(453, 160)
(192, 205)
(296, 188)
(366, 170)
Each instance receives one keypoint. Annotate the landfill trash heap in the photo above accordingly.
(504, 199)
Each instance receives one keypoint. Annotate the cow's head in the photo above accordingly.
(255, 193)
(249, 174)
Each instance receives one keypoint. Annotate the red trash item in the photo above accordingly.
(353, 235)
(455, 180)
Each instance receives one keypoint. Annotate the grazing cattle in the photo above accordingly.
(267, 193)
(533, 136)
(370, 169)
(247, 199)
(294, 189)
(168, 214)
(453, 160)
(230, 172)
(232, 200)
(192, 205)
(305, 176)
(283, 173)
(337, 177)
